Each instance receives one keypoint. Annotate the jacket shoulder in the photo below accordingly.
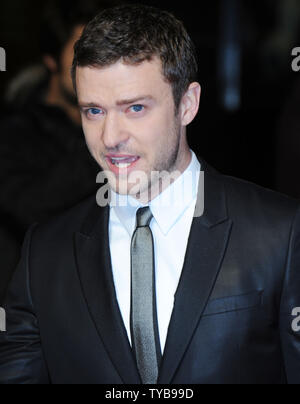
(64, 225)
(251, 199)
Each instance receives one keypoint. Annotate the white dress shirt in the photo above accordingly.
(170, 226)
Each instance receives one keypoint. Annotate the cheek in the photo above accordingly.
(162, 133)
(155, 129)
(92, 136)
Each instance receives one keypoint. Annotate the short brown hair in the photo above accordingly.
(135, 33)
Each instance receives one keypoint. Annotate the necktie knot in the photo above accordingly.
(143, 217)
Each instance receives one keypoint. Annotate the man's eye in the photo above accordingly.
(94, 111)
(137, 108)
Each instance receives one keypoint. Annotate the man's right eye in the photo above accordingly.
(94, 111)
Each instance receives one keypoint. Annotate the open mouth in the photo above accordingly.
(122, 163)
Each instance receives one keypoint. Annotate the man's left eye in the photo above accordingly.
(137, 108)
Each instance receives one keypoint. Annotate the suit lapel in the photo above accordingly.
(208, 240)
(94, 266)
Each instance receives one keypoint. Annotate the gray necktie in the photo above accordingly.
(144, 328)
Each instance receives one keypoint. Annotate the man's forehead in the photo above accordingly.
(121, 81)
(121, 70)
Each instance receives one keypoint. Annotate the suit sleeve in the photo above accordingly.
(21, 356)
(290, 308)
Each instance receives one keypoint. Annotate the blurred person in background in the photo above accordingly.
(44, 164)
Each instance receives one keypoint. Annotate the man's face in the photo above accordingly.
(129, 121)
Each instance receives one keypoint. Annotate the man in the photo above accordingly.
(144, 290)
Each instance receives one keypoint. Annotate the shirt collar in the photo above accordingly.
(168, 207)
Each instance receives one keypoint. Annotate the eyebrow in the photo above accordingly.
(134, 100)
(118, 103)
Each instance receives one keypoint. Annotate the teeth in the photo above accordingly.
(118, 162)
(120, 165)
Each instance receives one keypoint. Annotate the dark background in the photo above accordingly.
(240, 143)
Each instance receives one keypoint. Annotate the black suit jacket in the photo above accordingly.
(232, 317)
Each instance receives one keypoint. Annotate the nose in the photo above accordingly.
(113, 132)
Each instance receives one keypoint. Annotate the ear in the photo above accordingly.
(190, 104)
(50, 63)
